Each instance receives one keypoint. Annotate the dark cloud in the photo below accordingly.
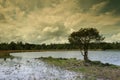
(112, 6)
(87, 4)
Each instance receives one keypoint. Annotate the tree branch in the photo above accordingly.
(81, 51)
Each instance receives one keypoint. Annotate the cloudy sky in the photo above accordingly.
(52, 21)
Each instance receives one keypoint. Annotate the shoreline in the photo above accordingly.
(95, 70)
(12, 51)
(6, 53)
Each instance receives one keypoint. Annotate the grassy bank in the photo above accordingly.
(6, 53)
(92, 71)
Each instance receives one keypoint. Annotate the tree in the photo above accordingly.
(12, 46)
(83, 38)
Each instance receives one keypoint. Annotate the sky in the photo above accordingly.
(52, 21)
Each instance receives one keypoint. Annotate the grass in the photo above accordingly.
(92, 71)
(6, 53)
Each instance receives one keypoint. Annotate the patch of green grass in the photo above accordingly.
(94, 69)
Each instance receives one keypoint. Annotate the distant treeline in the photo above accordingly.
(67, 46)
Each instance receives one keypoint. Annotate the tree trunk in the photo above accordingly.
(86, 56)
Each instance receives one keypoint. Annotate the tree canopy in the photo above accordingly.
(83, 38)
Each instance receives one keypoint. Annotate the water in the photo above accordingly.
(33, 69)
(25, 67)
(112, 57)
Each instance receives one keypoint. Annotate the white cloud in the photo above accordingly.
(115, 37)
(53, 22)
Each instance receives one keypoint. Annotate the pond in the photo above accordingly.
(112, 57)
(25, 67)
(33, 69)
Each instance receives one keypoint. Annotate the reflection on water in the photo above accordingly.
(112, 57)
(32, 69)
